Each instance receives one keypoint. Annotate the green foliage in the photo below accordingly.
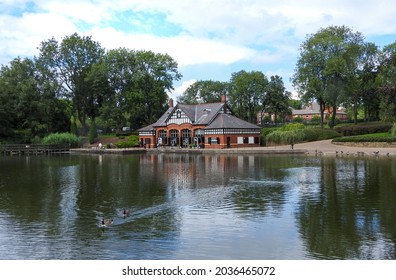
(393, 130)
(360, 129)
(286, 137)
(61, 139)
(203, 92)
(375, 137)
(292, 126)
(93, 133)
(315, 120)
(264, 132)
(296, 133)
(132, 142)
(298, 119)
(328, 55)
(246, 92)
(317, 134)
(73, 128)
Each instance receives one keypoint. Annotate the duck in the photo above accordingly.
(107, 222)
(126, 213)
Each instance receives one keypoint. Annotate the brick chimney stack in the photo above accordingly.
(170, 103)
(223, 98)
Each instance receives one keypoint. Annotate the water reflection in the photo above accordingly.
(197, 207)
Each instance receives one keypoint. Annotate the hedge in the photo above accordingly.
(382, 137)
(361, 129)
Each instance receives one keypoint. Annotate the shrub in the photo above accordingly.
(286, 137)
(61, 139)
(292, 126)
(393, 130)
(361, 129)
(264, 132)
(298, 119)
(379, 137)
(132, 142)
(316, 134)
(315, 120)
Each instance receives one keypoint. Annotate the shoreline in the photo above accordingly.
(323, 148)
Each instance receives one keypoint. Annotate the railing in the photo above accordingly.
(34, 149)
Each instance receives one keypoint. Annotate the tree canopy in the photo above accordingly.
(78, 80)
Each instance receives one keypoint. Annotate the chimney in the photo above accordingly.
(170, 103)
(223, 98)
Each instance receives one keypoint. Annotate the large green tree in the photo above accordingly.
(70, 62)
(276, 100)
(326, 67)
(387, 83)
(204, 92)
(137, 83)
(247, 91)
(154, 78)
(27, 103)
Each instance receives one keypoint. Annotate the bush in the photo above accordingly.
(298, 119)
(292, 126)
(361, 129)
(286, 137)
(264, 132)
(132, 142)
(62, 139)
(317, 134)
(379, 137)
(393, 130)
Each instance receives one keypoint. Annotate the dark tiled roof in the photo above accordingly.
(201, 113)
(229, 121)
(208, 114)
(147, 128)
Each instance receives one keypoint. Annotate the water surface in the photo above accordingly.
(197, 207)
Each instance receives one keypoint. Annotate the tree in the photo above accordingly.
(154, 78)
(137, 82)
(204, 92)
(119, 67)
(387, 83)
(326, 67)
(247, 90)
(276, 101)
(27, 101)
(69, 63)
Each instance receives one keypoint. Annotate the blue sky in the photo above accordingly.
(210, 39)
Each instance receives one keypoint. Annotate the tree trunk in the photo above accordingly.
(333, 115)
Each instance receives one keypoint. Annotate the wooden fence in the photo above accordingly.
(32, 149)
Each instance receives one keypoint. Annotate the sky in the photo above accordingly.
(209, 39)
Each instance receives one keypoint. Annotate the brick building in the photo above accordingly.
(209, 125)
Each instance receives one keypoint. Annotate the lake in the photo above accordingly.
(197, 207)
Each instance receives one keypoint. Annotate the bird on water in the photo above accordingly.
(126, 213)
(107, 222)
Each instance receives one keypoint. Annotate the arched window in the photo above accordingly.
(174, 137)
(186, 137)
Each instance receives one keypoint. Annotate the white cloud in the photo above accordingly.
(178, 91)
(259, 32)
(186, 50)
(21, 36)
